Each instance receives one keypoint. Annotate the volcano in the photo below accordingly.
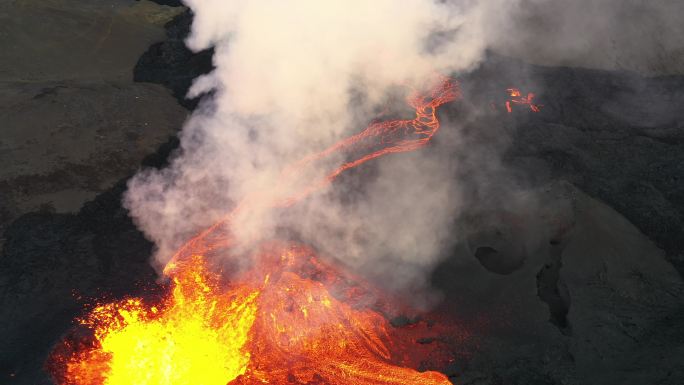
(276, 323)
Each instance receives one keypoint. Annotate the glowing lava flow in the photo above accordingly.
(313, 338)
(517, 98)
(277, 324)
(279, 327)
(296, 180)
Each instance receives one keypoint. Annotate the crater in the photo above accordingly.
(497, 262)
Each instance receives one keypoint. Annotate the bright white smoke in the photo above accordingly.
(291, 78)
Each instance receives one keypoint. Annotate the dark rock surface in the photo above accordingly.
(617, 136)
(63, 143)
(50, 262)
(73, 122)
(170, 3)
(74, 127)
(575, 293)
(172, 64)
(64, 40)
(600, 306)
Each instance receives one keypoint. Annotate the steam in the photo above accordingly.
(644, 36)
(292, 78)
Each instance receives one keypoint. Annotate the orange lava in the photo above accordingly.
(279, 325)
(517, 98)
(276, 323)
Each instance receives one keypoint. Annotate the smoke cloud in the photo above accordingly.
(293, 77)
(644, 36)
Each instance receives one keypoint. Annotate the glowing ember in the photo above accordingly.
(278, 323)
(517, 98)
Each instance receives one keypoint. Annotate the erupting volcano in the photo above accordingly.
(290, 318)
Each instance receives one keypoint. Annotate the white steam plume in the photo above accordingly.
(290, 79)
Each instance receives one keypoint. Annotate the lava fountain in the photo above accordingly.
(289, 319)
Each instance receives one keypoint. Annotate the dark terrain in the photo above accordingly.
(586, 289)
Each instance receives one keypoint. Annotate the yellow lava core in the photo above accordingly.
(276, 327)
(196, 336)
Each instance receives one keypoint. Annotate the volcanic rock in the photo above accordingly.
(495, 242)
(62, 40)
(617, 136)
(618, 303)
(172, 64)
(73, 122)
(595, 300)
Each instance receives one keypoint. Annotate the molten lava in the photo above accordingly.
(517, 98)
(378, 139)
(196, 335)
(276, 323)
(279, 325)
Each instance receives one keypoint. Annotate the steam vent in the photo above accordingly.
(341, 192)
